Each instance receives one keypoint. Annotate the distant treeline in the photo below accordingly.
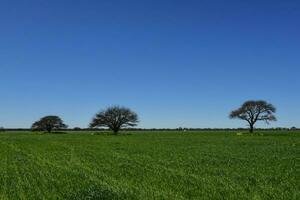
(159, 129)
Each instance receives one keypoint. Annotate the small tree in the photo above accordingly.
(49, 123)
(115, 118)
(253, 111)
(293, 128)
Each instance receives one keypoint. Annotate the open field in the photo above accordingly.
(150, 165)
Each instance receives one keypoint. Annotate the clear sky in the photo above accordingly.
(175, 62)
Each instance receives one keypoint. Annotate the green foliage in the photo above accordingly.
(150, 165)
(48, 124)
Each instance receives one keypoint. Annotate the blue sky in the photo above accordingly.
(176, 63)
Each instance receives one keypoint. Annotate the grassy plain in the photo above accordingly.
(150, 165)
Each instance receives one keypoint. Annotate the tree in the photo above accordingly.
(253, 111)
(76, 128)
(49, 123)
(115, 118)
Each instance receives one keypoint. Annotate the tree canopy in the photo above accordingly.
(115, 118)
(253, 111)
(48, 124)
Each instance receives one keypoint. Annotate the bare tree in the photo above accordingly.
(115, 118)
(253, 111)
(49, 123)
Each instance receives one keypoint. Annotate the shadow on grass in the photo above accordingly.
(110, 133)
(95, 192)
(57, 132)
(46, 133)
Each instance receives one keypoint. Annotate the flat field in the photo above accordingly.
(150, 165)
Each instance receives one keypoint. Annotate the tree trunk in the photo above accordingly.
(115, 131)
(251, 128)
(49, 129)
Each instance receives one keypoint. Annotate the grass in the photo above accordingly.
(150, 165)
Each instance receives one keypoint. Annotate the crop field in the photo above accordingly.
(150, 165)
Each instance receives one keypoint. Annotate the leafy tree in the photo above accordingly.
(253, 111)
(115, 118)
(2, 129)
(48, 124)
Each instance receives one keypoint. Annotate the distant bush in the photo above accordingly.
(77, 129)
(2, 129)
(293, 128)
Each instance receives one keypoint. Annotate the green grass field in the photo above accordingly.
(150, 165)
